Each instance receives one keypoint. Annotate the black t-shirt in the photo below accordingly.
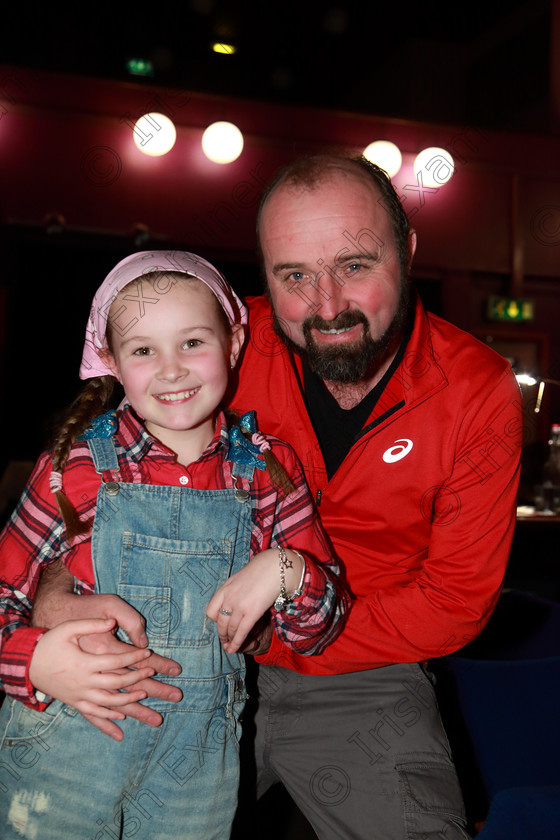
(337, 428)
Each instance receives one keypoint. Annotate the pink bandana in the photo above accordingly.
(157, 263)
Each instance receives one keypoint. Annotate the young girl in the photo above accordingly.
(162, 504)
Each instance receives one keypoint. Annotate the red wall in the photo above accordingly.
(66, 146)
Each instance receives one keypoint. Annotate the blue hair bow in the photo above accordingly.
(241, 450)
(104, 426)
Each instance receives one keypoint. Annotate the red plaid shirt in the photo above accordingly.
(35, 535)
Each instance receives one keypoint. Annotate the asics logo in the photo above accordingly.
(400, 450)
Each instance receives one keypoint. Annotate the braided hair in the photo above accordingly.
(93, 399)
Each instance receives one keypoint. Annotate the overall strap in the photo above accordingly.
(104, 454)
(243, 470)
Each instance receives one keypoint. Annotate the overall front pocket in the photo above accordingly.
(170, 582)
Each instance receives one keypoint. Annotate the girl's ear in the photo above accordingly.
(108, 359)
(236, 343)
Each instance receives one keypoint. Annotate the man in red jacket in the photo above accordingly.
(409, 432)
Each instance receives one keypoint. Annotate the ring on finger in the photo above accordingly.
(224, 612)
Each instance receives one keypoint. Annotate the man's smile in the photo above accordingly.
(333, 331)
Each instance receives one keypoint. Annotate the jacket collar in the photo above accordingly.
(418, 375)
(416, 378)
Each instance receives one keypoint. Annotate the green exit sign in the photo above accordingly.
(510, 309)
(139, 67)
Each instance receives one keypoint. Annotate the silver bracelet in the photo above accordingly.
(285, 563)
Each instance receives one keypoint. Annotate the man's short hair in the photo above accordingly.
(311, 170)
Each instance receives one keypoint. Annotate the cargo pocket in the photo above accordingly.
(432, 800)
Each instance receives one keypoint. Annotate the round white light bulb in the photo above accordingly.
(525, 379)
(434, 166)
(222, 142)
(386, 155)
(154, 134)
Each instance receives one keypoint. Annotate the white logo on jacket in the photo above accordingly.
(400, 450)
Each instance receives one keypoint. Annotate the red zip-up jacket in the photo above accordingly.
(422, 509)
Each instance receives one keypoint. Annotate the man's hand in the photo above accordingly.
(73, 606)
(61, 669)
(107, 643)
(259, 639)
(55, 602)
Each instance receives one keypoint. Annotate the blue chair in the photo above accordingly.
(528, 813)
(500, 699)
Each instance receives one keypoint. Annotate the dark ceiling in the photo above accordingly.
(476, 64)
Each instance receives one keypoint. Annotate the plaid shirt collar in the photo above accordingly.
(133, 438)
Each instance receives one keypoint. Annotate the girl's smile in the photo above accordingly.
(177, 395)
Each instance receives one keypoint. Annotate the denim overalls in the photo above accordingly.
(165, 550)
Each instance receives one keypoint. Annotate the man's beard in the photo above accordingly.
(348, 363)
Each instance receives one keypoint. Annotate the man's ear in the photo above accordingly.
(411, 247)
(108, 359)
(236, 343)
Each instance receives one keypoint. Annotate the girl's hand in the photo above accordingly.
(104, 643)
(61, 669)
(248, 594)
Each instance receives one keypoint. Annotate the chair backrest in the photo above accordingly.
(523, 626)
(510, 711)
(498, 697)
